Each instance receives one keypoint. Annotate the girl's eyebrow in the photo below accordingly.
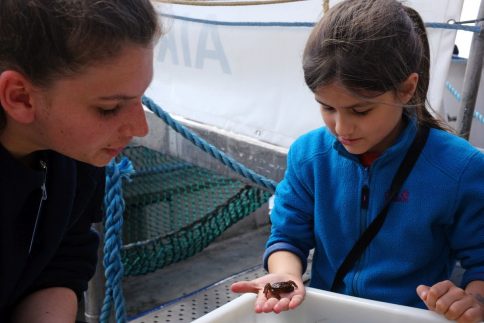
(356, 105)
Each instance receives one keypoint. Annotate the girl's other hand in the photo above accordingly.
(451, 301)
(263, 304)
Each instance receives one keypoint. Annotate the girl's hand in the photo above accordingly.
(262, 304)
(451, 301)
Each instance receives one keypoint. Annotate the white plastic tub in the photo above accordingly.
(322, 306)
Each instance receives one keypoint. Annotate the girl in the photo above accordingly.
(72, 74)
(367, 63)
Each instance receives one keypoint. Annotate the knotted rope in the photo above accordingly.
(113, 267)
(210, 149)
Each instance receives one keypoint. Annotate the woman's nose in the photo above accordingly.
(136, 124)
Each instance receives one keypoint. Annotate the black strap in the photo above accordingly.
(397, 182)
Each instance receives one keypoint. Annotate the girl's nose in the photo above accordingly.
(343, 126)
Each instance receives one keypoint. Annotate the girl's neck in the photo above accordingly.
(390, 139)
(368, 158)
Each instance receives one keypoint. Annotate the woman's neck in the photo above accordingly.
(20, 149)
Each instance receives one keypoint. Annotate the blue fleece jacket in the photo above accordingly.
(436, 219)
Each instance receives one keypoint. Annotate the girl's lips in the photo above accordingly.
(346, 141)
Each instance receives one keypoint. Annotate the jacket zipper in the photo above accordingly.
(365, 198)
(43, 165)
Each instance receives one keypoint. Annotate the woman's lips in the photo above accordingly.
(114, 151)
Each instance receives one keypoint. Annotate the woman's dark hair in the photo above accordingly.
(371, 47)
(47, 39)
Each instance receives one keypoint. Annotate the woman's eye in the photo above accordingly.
(107, 112)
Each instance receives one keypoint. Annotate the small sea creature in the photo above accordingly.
(275, 289)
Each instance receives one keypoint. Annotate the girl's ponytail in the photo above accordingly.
(419, 100)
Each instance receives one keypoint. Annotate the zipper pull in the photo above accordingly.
(44, 192)
(43, 165)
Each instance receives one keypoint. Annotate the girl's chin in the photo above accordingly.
(355, 150)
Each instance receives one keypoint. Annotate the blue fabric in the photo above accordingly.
(436, 219)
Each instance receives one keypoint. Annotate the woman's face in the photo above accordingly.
(361, 125)
(92, 116)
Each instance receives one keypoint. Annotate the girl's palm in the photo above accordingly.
(266, 305)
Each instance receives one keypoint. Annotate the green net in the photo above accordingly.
(175, 209)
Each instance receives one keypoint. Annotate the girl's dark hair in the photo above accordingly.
(47, 39)
(371, 47)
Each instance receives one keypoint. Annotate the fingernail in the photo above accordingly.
(423, 294)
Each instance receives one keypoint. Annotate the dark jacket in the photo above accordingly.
(53, 247)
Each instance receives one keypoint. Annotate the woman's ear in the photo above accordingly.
(16, 96)
(408, 88)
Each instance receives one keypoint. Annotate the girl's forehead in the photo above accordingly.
(340, 89)
(337, 95)
(337, 91)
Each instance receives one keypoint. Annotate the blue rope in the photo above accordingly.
(208, 148)
(477, 115)
(453, 91)
(454, 26)
(113, 267)
(241, 24)
(474, 29)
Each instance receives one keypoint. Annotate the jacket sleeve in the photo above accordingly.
(292, 215)
(74, 262)
(467, 235)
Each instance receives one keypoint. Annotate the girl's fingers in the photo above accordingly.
(269, 305)
(458, 308)
(264, 305)
(451, 301)
(296, 300)
(435, 292)
(244, 287)
(422, 292)
(453, 297)
(282, 305)
(472, 315)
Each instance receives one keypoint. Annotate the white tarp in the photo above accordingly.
(248, 79)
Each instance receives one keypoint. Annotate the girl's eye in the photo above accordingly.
(325, 108)
(108, 112)
(361, 112)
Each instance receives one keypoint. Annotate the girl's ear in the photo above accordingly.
(408, 88)
(16, 96)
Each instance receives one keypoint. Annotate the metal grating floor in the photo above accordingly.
(201, 302)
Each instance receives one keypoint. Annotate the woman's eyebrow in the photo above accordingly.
(117, 97)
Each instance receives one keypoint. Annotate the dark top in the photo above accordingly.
(45, 237)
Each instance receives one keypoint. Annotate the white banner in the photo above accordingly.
(248, 78)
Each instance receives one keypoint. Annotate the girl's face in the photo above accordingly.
(361, 125)
(92, 116)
